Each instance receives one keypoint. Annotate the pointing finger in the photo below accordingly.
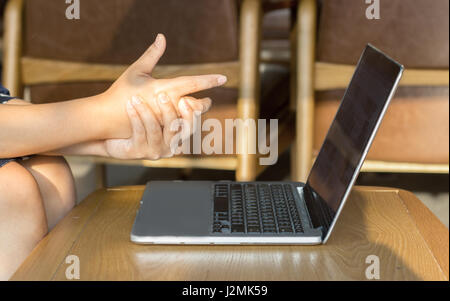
(185, 85)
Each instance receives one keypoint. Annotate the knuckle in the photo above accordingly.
(169, 155)
(154, 157)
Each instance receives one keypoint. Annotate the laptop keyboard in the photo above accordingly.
(255, 208)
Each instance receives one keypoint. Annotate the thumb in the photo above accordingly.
(151, 56)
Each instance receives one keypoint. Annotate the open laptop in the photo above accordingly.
(206, 212)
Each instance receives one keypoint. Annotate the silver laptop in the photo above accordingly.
(206, 212)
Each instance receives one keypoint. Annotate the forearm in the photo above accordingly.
(92, 148)
(26, 130)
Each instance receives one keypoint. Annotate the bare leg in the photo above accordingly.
(56, 185)
(23, 221)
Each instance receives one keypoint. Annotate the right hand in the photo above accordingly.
(149, 139)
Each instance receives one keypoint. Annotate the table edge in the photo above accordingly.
(431, 229)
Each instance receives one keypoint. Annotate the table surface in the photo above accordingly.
(410, 242)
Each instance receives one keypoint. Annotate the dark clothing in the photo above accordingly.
(4, 95)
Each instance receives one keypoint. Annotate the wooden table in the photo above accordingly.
(411, 243)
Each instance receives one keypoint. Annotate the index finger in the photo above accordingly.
(185, 85)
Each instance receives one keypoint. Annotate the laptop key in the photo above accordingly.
(237, 229)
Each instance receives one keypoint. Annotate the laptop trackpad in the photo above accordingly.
(175, 209)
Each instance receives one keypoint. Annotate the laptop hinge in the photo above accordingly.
(320, 213)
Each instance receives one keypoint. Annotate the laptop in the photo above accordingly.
(207, 212)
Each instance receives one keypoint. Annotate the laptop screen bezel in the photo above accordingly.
(367, 147)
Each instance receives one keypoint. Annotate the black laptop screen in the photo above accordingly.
(350, 133)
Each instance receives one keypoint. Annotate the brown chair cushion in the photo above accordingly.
(276, 25)
(119, 31)
(414, 32)
(415, 128)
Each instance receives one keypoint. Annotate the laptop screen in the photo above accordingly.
(351, 133)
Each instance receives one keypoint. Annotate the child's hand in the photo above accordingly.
(149, 139)
(136, 80)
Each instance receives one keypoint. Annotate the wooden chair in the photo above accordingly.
(276, 29)
(31, 71)
(414, 135)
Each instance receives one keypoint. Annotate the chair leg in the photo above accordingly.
(304, 96)
(13, 46)
(248, 103)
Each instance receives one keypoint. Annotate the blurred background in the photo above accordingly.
(285, 59)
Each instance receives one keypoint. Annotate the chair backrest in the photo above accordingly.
(414, 32)
(116, 32)
(2, 8)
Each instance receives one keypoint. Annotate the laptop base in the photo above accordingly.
(186, 212)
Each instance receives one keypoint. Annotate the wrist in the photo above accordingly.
(112, 113)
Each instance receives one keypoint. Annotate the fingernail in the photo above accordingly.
(158, 40)
(163, 98)
(136, 100)
(183, 104)
(129, 105)
(221, 80)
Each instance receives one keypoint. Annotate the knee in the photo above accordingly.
(53, 175)
(60, 174)
(20, 197)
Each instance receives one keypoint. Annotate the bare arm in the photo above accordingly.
(149, 140)
(38, 128)
(95, 148)
(26, 130)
